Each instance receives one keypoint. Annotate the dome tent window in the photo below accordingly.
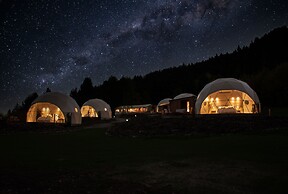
(46, 113)
(96, 108)
(227, 96)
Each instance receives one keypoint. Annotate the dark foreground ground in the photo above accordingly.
(86, 160)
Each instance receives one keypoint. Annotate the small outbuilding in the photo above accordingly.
(183, 103)
(54, 107)
(96, 108)
(227, 96)
(163, 106)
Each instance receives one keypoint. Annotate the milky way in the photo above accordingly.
(57, 44)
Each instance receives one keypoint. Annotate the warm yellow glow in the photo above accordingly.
(88, 111)
(45, 112)
(141, 109)
(188, 106)
(228, 101)
(133, 109)
(76, 109)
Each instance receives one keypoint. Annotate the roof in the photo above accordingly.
(134, 106)
(63, 101)
(98, 104)
(184, 95)
(225, 84)
(165, 101)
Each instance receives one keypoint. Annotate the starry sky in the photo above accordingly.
(57, 43)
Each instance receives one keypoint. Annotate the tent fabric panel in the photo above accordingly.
(64, 102)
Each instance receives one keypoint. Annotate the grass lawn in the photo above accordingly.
(88, 161)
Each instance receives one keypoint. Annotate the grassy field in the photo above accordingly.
(88, 161)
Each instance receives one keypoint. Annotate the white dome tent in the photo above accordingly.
(183, 103)
(163, 105)
(96, 108)
(227, 96)
(54, 107)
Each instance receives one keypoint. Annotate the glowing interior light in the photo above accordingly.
(105, 109)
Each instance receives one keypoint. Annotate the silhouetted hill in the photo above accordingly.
(263, 65)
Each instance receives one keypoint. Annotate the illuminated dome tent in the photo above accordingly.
(163, 106)
(183, 103)
(96, 108)
(227, 96)
(54, 107)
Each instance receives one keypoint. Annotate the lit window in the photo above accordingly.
(188, 106)
(76, 110)
(105, 109)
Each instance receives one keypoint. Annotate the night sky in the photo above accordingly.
(57, 43)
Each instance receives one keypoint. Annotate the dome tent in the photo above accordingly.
(227, 95)
(96, 108)
(54, 107)
(163, 105)
(183, 103)
(184, 95)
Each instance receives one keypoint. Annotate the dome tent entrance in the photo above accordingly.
(96, 108)
(227, 96)
(54, 107)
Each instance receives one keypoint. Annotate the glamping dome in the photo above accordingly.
(183, 103)
(227, 96)
(96, 108)
(184, 95)
(54, 107)
(163, 105)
